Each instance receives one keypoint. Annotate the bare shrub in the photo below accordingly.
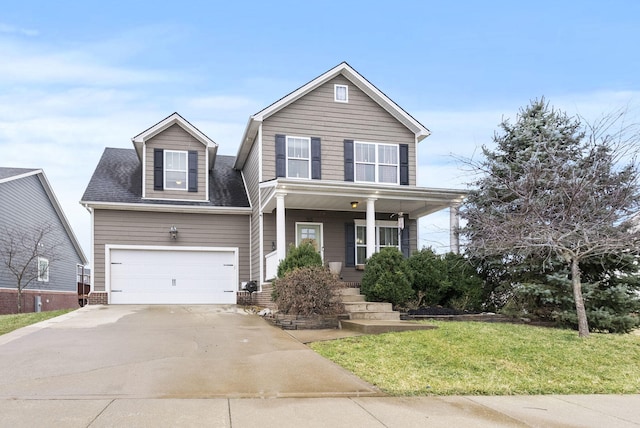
(308, 291)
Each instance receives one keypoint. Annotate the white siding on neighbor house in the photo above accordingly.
(115, 227)
(175, 138)
(318, 115)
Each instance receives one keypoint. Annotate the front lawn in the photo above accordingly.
(12, 322)
(471, 358)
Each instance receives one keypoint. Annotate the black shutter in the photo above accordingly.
(281, 156)
(192, 166)
(348, 160)
(349, 244)
(404, 164)
(404, 239)
(158, 169)
(316, 165)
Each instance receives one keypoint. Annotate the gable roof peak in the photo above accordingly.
(420, 131)
(175, 119)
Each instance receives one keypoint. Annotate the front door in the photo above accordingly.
(312, 233)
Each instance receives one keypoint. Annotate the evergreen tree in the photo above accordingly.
(553, 192)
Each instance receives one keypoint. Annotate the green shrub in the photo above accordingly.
(386, 278)
(303, 255)
(308, 291)
(448, 280)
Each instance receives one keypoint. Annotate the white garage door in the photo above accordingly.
(172, 277)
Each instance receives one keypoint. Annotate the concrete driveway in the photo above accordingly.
(165, 352)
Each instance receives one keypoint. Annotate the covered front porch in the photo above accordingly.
(348, 222)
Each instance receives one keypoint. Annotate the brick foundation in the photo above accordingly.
(98, 298)
(51, 300)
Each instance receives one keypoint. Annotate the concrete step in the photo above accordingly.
(349, 291)
(377, 326)
(368, 306)
(347, 298)
(370, 315)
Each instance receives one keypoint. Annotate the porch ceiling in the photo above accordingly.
(337, 196)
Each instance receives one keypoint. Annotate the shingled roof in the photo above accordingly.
(118, 179)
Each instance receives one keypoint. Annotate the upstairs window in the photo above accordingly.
(376, 163)
(175, 170)
(298, 157)
(341, 93)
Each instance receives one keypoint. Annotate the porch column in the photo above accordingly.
(454, 229)
(281, 237)
(371, 227)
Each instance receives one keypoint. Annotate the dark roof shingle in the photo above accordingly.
(118, 178)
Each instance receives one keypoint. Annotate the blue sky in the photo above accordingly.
(76, 77)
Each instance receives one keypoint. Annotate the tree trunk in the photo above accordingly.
(583, 325)
(19, 300)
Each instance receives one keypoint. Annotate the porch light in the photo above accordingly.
(354, 204)
(173, 231)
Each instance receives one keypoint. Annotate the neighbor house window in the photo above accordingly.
(376, 163)
(341, 93)
(298, 157)
(175, 170)
(43, 269)
(387, 235)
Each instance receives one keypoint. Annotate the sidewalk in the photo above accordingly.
(513, 411)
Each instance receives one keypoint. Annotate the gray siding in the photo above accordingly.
(25, 206)
(317, 115)
(251, 174)
(152, 228)
(333, 230)
(175, 138)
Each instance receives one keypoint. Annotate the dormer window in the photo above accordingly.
(341, 93)
(175, 170)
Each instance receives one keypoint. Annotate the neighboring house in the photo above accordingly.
(333, 163)
(27, 206)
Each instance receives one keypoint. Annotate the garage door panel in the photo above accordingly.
(172, 277)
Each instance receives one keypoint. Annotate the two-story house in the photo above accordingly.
(333, 162)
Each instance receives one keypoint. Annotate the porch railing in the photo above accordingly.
(271, 265)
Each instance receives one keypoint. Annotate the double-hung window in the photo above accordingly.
(175, 170)
(43, 269)
(387, 235)
(298, 157)
(376, 163)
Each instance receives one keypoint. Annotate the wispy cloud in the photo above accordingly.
(10, 29)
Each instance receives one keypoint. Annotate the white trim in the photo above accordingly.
(312, 223)
(206, 173)
(109, 247)
(335, 93)
(144, 170)
(93, 252)
(308, 159)
(166, 208)
(19, 176)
